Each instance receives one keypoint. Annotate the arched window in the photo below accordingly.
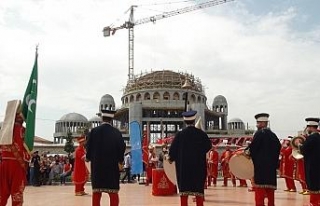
(176, 96)
(138, 97)
(131, 98)
(166, 96)
(126, 100)
(147, 96)
(192, 98)
(156, 95)
(199, 99)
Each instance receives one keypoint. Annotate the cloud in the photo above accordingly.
(259, 61)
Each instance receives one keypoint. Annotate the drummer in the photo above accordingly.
(190, 169)
(264, 151)
(310, 149)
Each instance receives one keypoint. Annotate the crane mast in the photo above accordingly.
(131, 23)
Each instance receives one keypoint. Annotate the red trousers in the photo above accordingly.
(290, 183)
(184, 200)
(261, 193)
(212, 179)
(79, 188)
(225, 181)
(243, 183)
(315, 199)
(96, 197)
(12, 182)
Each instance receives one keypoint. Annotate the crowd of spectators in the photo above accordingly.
(46, 169)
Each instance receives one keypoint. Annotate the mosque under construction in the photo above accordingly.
(156, 100)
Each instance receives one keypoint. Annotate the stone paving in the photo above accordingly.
(139, 195)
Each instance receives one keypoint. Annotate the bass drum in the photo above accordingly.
(241, 165)
(170, 170)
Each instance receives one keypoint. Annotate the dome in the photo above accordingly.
(107, 102)
(235, 120)
(220, 100)
(95, 119)
(73, 117)
(163, 79)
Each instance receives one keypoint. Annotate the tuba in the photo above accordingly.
(295, 142)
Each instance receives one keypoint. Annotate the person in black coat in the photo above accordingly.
(310, 149)
(188, 149)
(264, 151)
(105, 151)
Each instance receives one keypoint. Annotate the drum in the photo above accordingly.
(161, 185)
(241, 165)
(170, 170)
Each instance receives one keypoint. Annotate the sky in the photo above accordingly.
(263, 56)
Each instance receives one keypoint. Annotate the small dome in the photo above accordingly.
(220, 100)
(107, 102)
(235, 120)
(95, 119)
(73, 117)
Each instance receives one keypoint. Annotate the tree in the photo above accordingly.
(69, 146)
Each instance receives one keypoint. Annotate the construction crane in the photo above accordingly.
(131, 23)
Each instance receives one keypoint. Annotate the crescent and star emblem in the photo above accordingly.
(29, 101)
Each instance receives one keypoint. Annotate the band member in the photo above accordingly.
(310, 149)
(105, 150)
(287, 166)
(152, 162)
(213, 161)
(14, 156)
(188, 150)
(224, 159)
(264, 151)
(300, 176)
(80, 171)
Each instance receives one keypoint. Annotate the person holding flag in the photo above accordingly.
(14, 156)
(16, 142)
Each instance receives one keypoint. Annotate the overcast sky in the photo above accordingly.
(263, 56)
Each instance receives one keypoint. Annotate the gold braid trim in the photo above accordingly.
(191, 194)
(266, 186)
(105, 190)
(16, 154)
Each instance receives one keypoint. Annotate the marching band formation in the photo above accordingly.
(261, 162)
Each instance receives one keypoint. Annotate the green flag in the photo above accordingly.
(29, 105)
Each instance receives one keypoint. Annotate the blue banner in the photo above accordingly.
(136, 149)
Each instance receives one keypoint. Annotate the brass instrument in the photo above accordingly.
(295, 142)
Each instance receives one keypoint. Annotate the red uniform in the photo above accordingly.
(152, 164)
(300, 175)
(213, 161)
(287, 168)
(225, 157)
(80, 172)
(13, 164)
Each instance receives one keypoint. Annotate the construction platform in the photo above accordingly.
(139, 195)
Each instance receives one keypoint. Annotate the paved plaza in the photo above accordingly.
(138, 195)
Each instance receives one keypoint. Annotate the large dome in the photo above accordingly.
(73, 117)
(163, 79)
